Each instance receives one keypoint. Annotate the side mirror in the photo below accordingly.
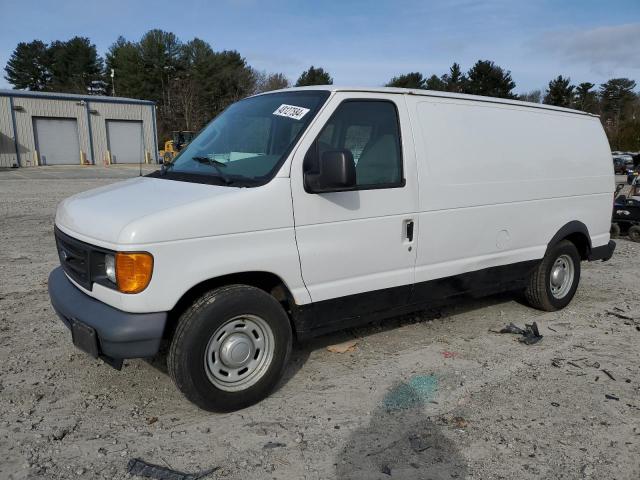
(336, 172)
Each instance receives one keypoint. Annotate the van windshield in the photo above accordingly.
(246, 144)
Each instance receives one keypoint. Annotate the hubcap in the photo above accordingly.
(239, 353)
(562, 274)
(236, 350)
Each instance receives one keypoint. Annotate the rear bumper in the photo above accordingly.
(119, 334)
(604, 252)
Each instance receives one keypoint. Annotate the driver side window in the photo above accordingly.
(370, 130)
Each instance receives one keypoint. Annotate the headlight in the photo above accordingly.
(133, 271)
(110, 267)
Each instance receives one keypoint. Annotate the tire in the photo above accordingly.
(614, 232)
(541, 293)
(232, 324)
(634, 233)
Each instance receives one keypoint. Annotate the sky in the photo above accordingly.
(362, 42)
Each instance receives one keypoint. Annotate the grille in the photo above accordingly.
(75, 258)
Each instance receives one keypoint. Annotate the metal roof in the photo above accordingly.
(72, 96)
(434, 93)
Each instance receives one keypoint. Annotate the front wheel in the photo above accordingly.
(230, 348)
(555, 281)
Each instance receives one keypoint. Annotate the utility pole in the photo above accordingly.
(113, 83)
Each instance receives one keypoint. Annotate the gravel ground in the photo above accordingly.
(435, 395)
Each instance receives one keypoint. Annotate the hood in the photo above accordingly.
(146, 210)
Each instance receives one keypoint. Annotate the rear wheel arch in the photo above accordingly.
(577, 233)
(266, 281)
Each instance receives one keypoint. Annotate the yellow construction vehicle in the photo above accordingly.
(171, 147)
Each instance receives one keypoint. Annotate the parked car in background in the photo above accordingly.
(622, 164)
(305, 211)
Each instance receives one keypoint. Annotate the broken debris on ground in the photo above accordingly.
(345, 347)
(143, 469)
(530, 333)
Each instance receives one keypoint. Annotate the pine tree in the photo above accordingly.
(455, 80)
(408, 80)
(585, 99)
(29, 66)
(75, 65)
(559, 92)
(488, 79)
(435, 83)
(124, 59)
(314, 76)
(616, 96)
(619, 112)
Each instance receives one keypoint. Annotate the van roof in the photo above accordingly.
(434, 93)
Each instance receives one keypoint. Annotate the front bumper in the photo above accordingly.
(101, 330)
(604, 252)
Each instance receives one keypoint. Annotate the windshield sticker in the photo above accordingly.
(291, 111)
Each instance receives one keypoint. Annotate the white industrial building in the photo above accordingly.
(39, 128)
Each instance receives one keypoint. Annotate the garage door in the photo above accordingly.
(57, 140)
(125, 141)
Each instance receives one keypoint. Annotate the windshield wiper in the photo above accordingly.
(215, 164)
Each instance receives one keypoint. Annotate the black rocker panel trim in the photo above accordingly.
(318, 318)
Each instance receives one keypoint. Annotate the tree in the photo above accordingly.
(206, 82)
(455, 81)
(124, 58)
(408, 80)
(616, 96)
(314, 76)
(534, 96)
(159, 57)
(267, 82)
(488, 79)
(627, 136)
(435, 83)
(231, 79)
(28, 66)
(75, 65)
(585, 99)
(559, 92)
(619, 110)
(159, 52)
(190, 85)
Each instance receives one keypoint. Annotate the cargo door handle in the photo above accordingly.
(409, 230)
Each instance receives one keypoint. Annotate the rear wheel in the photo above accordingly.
(230, 348)
(555, 281)
(634, 233)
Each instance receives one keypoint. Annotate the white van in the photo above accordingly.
(308, 210)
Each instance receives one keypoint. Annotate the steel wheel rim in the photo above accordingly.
(561, 277)
(239, 353)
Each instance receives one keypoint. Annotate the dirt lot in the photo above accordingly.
(436, 395)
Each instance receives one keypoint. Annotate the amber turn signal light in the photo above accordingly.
(133, 271)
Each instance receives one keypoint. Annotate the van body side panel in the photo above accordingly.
(179, 266)
(354, 242)
(222, 231)
(498, 181)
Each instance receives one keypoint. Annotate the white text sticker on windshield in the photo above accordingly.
(291, 111)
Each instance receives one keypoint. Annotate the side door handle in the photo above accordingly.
(409, 230)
